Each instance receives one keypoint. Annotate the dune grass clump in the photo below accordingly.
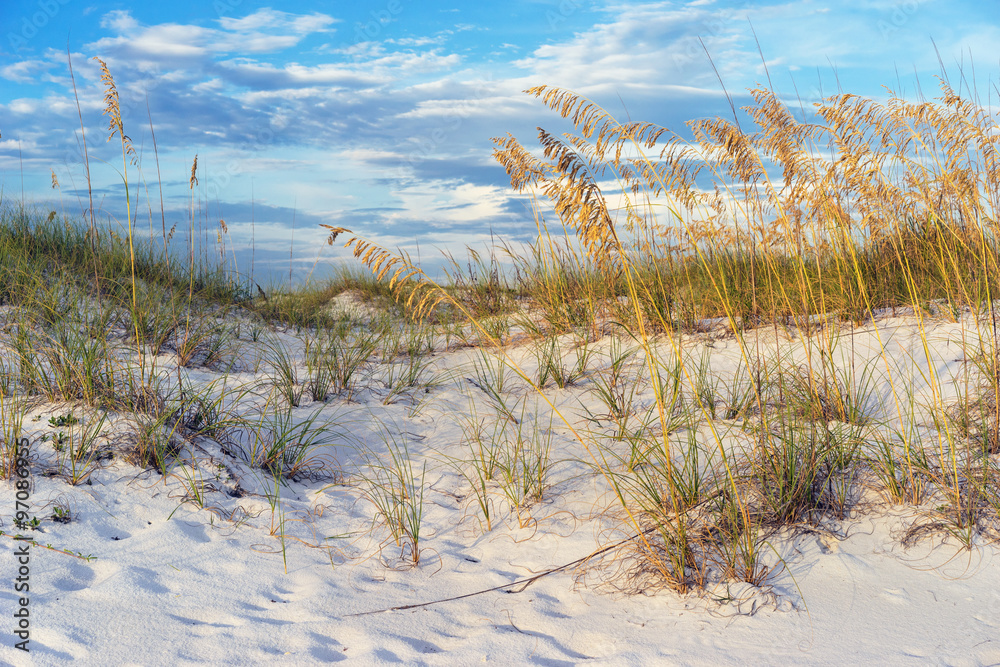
(874, 207)
(395, 488)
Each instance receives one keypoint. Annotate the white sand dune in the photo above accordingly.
(245, 580)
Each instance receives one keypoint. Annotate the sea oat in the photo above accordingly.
(193, 181)
(112, 109)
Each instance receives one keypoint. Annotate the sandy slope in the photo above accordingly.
(175, 584)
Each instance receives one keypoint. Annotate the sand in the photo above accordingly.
(173, 583)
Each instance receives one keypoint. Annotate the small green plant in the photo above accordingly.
(552, 366)
(284, 445)
(393, 486)
(321, 381)
(204, 342)
(285, 371)
(83, 455)
(150, 442)
(28, 525)
(828, 393)
(189, 473)
(482, 463)
(409, 373)
(58, 440)
(616, 387)
(349, 359)
(746, 393)
(63, 420)
(707, 385)
(802, 470)
(334, 362)
(61, 512)
(493, 377)
(512, 456)
(210, 410)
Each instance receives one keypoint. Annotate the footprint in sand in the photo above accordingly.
(195, 532)
(145, 579)
(77, 577)
(896, 596)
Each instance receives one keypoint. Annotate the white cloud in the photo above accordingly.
(24, 106)
(209, 86)
(24, 71)
(119, 20)
(416, 41)
(264, 31)
(485, 106)
(646, 44)
(271, 19)
(269, 77)
(11, 145)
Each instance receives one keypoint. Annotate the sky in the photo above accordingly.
(378, 116)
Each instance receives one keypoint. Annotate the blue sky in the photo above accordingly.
(378, 116)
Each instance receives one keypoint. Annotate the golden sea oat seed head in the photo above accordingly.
(112, 109)
(193, 181)
(334, 233)
(55, 181)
